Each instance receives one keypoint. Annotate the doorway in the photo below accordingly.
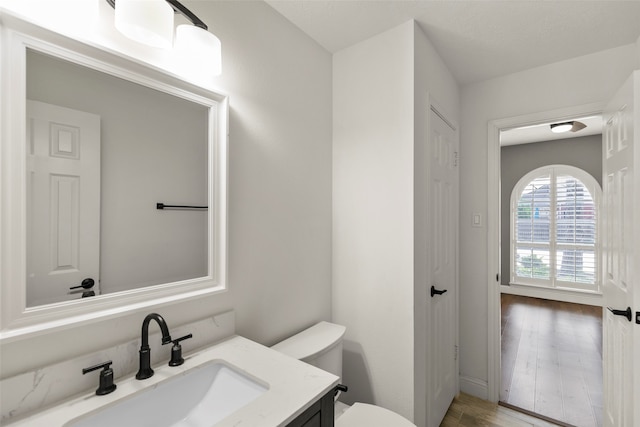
(495, 219)
(550, 210)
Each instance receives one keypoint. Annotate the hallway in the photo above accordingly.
(552, 359)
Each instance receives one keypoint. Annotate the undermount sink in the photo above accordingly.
(201, 396)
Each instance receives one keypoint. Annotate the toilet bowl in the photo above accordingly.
(321, 346)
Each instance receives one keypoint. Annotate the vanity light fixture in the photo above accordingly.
(151, 22)
(148, 22)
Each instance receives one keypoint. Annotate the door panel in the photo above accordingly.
(442, 246)
(63, 208)
(620, 166)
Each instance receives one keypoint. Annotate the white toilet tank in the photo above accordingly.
(319, 345)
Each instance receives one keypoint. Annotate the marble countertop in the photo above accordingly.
(293, 387)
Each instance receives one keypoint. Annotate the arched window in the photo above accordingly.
(554, 229)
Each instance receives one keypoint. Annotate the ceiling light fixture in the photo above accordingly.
(577, 126)
(573, 126)
(561, 127)
(151, 22)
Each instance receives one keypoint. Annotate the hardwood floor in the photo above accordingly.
(552, 359)
(469, 411)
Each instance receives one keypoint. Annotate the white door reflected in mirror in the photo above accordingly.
(63, 179)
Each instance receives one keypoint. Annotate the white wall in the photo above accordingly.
(379, 288)
(279, 83)
(433, 82)
(578, 81)
(373, 217)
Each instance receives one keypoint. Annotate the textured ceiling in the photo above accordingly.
(479, 39)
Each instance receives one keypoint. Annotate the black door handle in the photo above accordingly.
(86, 284)
(626, 313)
(435, 291)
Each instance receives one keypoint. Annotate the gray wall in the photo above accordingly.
(517, 160)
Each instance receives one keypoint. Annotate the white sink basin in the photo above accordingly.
(201, 396)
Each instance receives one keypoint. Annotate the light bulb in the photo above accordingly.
(199, 50)
(146, 21)
(561, 127)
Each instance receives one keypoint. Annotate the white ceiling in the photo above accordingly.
(477, 39)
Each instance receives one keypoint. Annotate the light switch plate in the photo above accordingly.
(476, 219)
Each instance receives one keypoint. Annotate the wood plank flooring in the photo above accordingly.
(552, 359)
(469, 411)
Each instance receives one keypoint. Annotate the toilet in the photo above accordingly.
(321, 346)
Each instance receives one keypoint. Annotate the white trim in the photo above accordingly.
(493, 266)
(493, 225)
(474, 386)
(437, 111)
(17, 321)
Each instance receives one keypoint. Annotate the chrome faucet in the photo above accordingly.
(145, 370)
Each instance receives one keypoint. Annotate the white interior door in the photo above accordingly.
(63, 166)
(621, 232)
(443, 249)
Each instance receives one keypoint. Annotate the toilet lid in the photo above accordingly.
(364, 415)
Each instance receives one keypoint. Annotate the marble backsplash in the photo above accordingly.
(25, 393)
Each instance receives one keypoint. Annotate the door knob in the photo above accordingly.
(435, 291)
(626, 313)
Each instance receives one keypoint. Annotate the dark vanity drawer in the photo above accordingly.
(320, 414)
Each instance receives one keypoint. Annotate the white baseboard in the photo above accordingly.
(553, 294)
(474, 387)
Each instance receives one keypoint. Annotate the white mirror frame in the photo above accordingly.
(17, 321)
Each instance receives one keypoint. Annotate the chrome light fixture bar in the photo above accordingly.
(151, 22)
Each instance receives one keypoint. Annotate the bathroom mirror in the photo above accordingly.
(114, 182)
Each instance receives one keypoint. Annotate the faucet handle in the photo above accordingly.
(176, 351)
(106, 377)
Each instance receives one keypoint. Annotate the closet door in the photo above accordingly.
(442, 221)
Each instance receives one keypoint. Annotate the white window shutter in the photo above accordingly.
(554, 226)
